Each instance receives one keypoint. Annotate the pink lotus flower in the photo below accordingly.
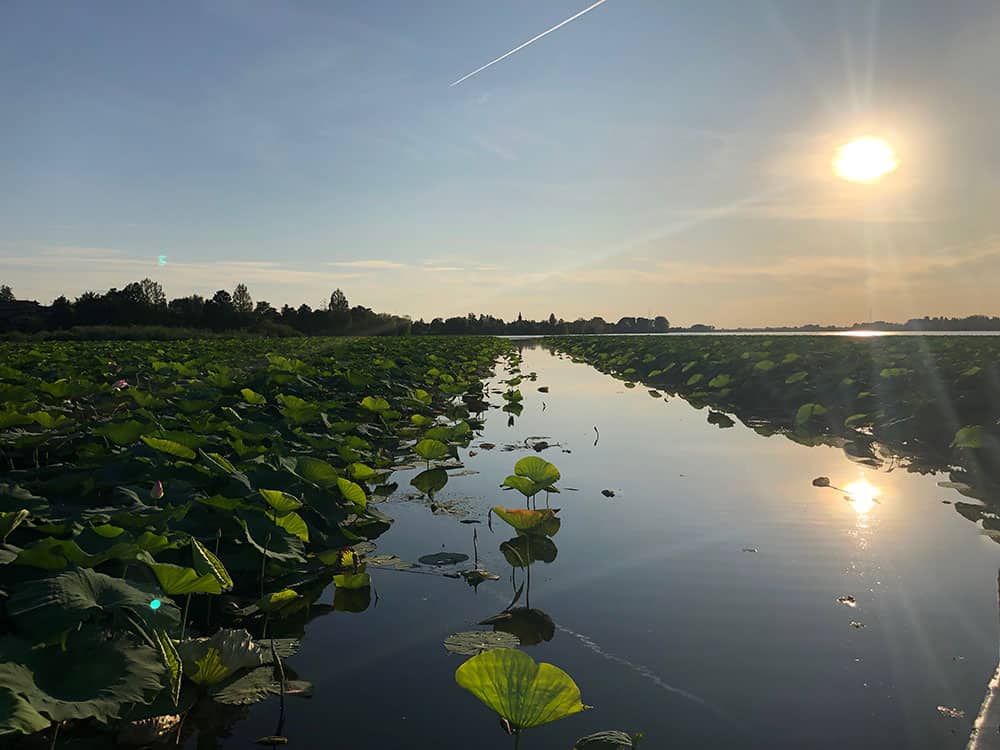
(120, 385)
(157, 492)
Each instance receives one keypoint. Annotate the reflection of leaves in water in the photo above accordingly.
(430, 481)
(531, 626)
(610, 740)
(472, 642)
(720, 419)
(524, 550)
(443, 558)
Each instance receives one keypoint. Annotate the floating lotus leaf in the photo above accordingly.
(472, 642)
(443, 558)
(525, 693)
(610, 740)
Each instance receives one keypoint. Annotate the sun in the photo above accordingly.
(866, 159)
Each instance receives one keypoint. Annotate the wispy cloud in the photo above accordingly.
(533, 39)
(386, 265)
(442, 268)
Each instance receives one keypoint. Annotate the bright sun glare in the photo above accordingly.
(865, 159)
(862, 494)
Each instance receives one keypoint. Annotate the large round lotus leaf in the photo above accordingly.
(525, 486)
(524, 550)
(472, 642)
(537, 470)
(431, 450)
(610, 740)
(46, 608)
(93, 679)
(525, 693)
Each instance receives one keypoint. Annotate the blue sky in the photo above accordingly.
(650, 157)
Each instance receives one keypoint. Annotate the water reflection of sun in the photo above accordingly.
(862, 495)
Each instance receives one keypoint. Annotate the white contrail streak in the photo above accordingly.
(530, 41)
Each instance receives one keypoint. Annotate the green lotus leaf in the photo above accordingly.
(316, 471)
(220, 462)
(46, 608)
(270, 539)
(10, 520)
(525, 693)
(293, 523)
(172, 661)
(374, 404)
(352, 581)
(177, 580)
(972, 436)
(56, 554)
(252, 397)
(280, 501)
(352, 492)
(431, 450)
(537, 469)
(17, 715)
(206, 562)
(92, 679)
(169, 447)
(122, 433)
(521, 551)
(360, 472)
(277, 600)
(208, 661)
(525, 486)
(530, 521)
(807, 412)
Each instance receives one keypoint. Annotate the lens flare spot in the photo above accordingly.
(155, 604)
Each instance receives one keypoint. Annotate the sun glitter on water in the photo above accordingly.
(862, 495)
(866, 159)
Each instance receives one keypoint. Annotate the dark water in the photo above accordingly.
(664, 621)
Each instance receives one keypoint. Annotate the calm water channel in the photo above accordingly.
(698, 605)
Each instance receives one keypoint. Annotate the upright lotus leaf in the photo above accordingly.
(56, 554)
(46, 608)
(10, 520)
(170, 447)
(525, 693)
(122, 433)
(281, 502)
(206, 562)
(172, 661)
(972, 436)
(177, 580)
(372, 403)
(316, 471)
(525, 486)
(270, 539)
(294, 524)
(252, 397)
(360, 472)
(352, 492)
(431, 450)
(529, 521)
(208, 661)
(93, 678)
(538, 470)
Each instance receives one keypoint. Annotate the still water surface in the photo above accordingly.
(665, 617)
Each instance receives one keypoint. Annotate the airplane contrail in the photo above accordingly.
(530, 41)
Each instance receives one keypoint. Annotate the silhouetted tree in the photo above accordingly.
(242, 302)
(338, 302)
(6, 294)
(152, 293)
(661, 324)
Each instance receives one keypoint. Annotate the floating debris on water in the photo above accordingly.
(821, 482)
(854, 623)
(951, 713)
(608, 493)
(487, 446)
(848, 600)
(750, 549)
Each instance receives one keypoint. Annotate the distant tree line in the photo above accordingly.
(472, 324)
(143, 303)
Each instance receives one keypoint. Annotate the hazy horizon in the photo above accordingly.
(642, 159)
